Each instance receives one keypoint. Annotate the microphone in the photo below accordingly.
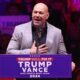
(39, 35)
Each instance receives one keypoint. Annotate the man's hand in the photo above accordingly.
(33, 48)
(73, 66)
(40, 49)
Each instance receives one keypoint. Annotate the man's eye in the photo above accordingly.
(35, 12)
(41, 13)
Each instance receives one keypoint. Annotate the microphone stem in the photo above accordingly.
(39, 33)
(37, 45)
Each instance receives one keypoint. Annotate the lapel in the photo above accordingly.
(29, 34)
(49, 38)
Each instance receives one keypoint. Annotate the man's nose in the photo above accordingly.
(37, 14)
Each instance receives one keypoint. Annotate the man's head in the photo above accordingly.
(40, 14)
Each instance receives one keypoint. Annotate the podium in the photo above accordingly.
(35, 66)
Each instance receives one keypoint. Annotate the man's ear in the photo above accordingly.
(47, 16)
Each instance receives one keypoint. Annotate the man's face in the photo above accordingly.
(39, 15)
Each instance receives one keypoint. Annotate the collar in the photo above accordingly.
(44, 29)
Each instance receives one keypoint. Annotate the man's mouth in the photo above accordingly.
(37, 19)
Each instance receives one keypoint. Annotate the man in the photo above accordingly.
(37, 36)
(24, 37)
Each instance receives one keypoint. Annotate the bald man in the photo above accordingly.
(37, 36)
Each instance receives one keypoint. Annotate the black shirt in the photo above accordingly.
(39, 39)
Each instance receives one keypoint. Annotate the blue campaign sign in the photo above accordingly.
(35, 66)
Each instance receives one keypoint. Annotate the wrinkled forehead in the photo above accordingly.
(40, 7)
